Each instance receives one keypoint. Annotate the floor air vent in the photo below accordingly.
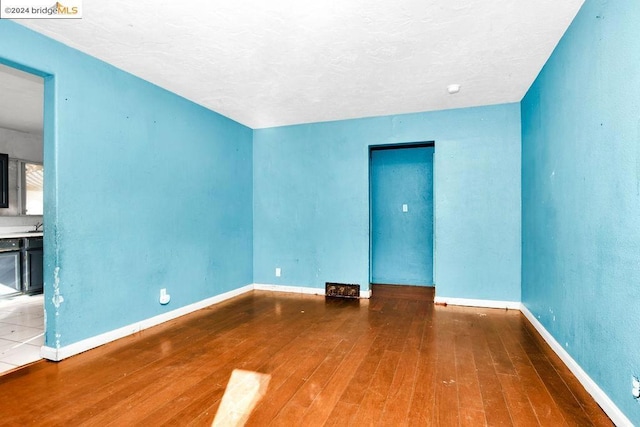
(342, 290)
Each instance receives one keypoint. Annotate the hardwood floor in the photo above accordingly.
(395, 359)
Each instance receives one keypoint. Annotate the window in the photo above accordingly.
(25, 189)
(33, 188)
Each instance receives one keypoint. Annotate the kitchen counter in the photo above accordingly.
(20, 234)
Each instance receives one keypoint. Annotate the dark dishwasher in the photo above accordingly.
(10, 267)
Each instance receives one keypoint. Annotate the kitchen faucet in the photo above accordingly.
(38, 225)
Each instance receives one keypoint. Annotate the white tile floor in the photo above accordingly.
(21, 331)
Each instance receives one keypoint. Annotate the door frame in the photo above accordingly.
(396, 146)
(50, 211)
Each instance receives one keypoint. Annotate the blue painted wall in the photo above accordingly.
(581, 196)
(143, 190)
(402, 242)
(311, 199)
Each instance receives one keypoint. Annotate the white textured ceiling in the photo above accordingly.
(21, 100)
(278, 62)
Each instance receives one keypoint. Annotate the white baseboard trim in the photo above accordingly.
(610, 408)
(482, 303)
(48, 353)
(289, 289)
(57, 354)
(299, 289)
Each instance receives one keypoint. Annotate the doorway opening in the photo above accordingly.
(22, 324)
(401, 209)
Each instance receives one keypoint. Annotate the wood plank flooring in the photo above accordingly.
(393, 360)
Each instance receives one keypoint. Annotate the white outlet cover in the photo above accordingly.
(278, 272)
(164, 296)
(405, 208)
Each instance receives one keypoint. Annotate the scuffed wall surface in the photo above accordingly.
(581, 196)
(311, 199)
(143, 190)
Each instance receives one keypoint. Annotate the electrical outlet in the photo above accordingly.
(278, 272)
(635, 390)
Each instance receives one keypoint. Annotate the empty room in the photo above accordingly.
(339, 213)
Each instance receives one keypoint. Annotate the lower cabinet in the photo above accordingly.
(32, 272)
(21, 262)
(32, 256)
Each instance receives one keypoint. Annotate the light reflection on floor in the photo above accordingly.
(244, 390)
